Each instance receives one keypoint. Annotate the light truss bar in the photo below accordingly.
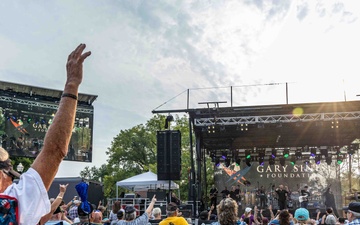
(40, 104)
(289, 118)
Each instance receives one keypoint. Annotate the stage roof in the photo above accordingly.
(277, 126)
(32, 91)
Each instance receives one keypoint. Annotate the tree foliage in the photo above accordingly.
(133, 151)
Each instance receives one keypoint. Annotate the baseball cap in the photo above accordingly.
(5, 164)
(248, 209)
(353, 207)
(302, 214)
(130, 209)
(82, 213)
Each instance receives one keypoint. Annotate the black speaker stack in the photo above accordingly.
(169, 155)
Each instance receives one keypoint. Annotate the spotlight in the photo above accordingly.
(168, 119)
(224, 155)
(328, 160)
(261, 161)
(307, 161)
(286, 153)
(298, 154)
(261, 157)
(352, 148)
(247, 154)
(324, 152)
(271, 161)
(312, 152)
(334, 124)
(211, 129)
(339, 159)
(227, 162)
(244, 127)
(238, 161)
(273, 153)
(282, 161)
(293, 160)
(217, 162)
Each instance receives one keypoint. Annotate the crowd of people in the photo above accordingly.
(226, 213)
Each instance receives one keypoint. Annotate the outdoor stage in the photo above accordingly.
(313, 136)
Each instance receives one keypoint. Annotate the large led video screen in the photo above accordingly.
(23, 129)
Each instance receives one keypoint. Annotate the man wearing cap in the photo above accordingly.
(130, 215)
(353, 213)
(248, 214)
(31, 190)
(302, 216)
(172, 218)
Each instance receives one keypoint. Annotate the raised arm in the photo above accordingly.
(210, 212)
(58, 136)
(272, 216)
(151, 205)
(257, 222)
(55, 203)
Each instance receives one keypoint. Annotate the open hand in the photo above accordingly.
(74, 65)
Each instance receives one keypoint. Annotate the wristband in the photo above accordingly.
(59, 197)
(69, 95)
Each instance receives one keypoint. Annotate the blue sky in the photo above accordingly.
(146, 52)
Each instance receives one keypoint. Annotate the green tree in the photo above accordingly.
(133, 151)
(94, 173)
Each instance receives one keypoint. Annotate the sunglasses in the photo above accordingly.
(9, 174)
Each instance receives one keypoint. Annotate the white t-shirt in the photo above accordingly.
(33, 199)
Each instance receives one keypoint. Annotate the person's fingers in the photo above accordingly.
(84, 56)
(79, 50)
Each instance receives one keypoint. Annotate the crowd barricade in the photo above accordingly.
(186, 207)
(139, 203)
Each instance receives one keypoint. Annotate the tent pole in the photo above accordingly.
(116, 191)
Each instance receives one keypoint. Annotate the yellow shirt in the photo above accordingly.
(174, 220)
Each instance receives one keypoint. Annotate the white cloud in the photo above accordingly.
(146, 52)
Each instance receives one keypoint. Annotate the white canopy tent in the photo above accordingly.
(144, 182)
